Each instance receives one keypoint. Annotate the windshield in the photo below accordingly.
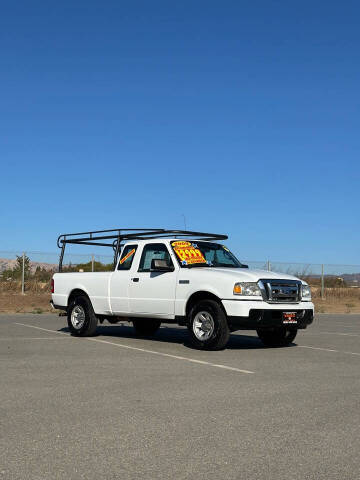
(204, 254)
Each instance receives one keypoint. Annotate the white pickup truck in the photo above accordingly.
(181, 277)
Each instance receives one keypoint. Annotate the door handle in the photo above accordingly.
(135, 279)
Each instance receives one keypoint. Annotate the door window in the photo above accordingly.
(127, 257)
(152, 251)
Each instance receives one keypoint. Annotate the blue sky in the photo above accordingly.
(244, 116)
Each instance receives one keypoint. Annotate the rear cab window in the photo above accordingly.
(127, 257)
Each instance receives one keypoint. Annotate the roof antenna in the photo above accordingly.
(184, 220)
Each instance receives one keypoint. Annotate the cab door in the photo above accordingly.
(153, 293)
(120, 279)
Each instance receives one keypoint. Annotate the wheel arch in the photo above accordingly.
(77, 292)
(198, 296)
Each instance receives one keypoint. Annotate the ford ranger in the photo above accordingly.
(187, 278)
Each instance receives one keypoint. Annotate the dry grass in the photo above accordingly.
(337, 293)
(36, 299)
(337, 300)
(29, 303)
(31, 286)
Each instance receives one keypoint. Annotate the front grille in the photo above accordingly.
(281, 291)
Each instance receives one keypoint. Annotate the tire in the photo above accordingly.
(279, 337)
(82, 320)
(146, 327)
(208, 326)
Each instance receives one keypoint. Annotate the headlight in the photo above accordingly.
(305, 293)
(247, 289)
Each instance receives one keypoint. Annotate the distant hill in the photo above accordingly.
(351, 278)
(9, 264)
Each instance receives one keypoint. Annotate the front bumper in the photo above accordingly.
(252, 315)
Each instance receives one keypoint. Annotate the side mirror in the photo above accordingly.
(158, 265)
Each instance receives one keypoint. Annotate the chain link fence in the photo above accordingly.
(21, 271)
(335, 280)
(32, 271)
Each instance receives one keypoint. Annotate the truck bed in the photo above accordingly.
(95, 284)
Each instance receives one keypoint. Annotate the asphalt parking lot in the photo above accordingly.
(119, 407)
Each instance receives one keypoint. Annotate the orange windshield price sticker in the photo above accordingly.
(188, 253)
(128, 255)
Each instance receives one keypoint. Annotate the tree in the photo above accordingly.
(17, 270)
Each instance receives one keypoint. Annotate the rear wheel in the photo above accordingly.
(279, 337)
(146, 327)
(208, 327)
(82, 320)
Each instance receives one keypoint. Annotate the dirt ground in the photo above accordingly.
(39, 303)
(28, 303)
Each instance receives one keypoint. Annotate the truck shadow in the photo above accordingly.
(179, 335)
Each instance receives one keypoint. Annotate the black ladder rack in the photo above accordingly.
(101, 238)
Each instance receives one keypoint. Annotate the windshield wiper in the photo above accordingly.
(197, 265)
(226, 265)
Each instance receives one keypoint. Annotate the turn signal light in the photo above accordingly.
(237, 289)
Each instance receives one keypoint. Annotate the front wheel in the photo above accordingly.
(208, 326)
(279, 337)
(146, 327)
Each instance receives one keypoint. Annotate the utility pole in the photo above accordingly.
(23, 275)
(92, 262)
(322, 282)
(269, 265)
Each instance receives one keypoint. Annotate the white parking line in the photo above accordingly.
(344, 326)
(318, 348)
(32, 338)
(328, 350)
(153, 352)
(344, 334)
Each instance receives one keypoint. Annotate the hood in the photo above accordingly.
(244, 274)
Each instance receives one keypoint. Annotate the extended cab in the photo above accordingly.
(195, 282)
